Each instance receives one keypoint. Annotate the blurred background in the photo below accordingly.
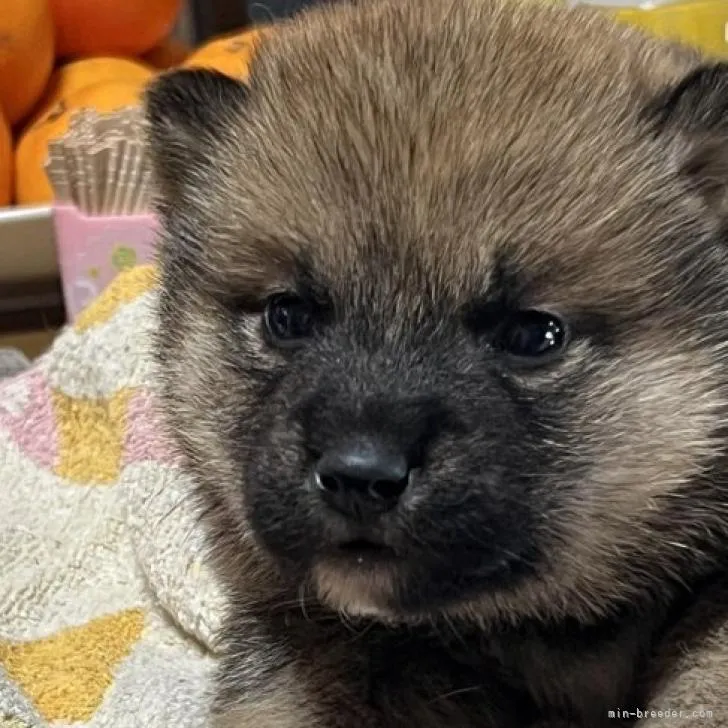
(32, 305)
(203, 19)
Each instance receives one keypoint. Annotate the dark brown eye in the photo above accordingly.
(288, 319)
(531, 335)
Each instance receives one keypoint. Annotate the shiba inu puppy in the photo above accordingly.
(444, 339)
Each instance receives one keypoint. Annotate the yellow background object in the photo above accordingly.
(700, 23)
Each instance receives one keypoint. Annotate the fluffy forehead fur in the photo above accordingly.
(408, 158)
(459, 133)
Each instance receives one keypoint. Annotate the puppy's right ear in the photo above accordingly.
(188, 114)
(692, 116)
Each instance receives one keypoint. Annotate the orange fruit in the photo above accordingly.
(73, 76)
(168, 54)
(83, 72)
(31, 152)
(26, 55)
(112, 27)
(229, 54)
(6, 162)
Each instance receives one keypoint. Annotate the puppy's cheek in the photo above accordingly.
(280, 505)
(210, 397)
(248, 346)
(643, 431)
(649, 427)
(197, 390)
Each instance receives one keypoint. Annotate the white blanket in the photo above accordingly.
(108, 616)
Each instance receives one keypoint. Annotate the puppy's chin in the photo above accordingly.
(362, 590)
(384, 590)
(376, 590)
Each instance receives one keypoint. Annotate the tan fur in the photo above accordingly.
(279, 710)
(524, 141)
(697, 678)
(358, 597)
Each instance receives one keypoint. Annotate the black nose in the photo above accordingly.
(362, 479)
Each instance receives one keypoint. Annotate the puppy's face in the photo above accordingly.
(442, 319)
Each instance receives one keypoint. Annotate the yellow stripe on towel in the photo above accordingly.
(66, 675)
(125, 288)
(90, 436)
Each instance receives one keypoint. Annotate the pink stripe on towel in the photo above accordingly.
(145, 439)
(26, 413)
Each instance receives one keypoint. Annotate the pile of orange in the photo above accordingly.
(60, 56)
(230, 54)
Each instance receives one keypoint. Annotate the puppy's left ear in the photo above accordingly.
(189, 114)
(694, 115)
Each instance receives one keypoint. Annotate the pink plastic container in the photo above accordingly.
(92, 250)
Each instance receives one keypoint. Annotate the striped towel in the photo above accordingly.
(108, 615)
